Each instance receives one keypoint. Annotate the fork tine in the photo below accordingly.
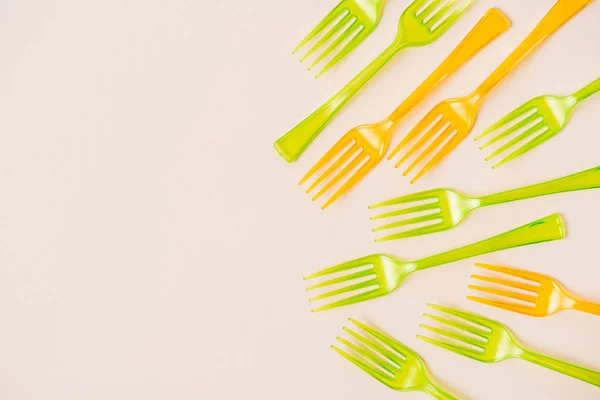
(343, 36)
(503, 305)
(433, 19)
(375, 346)
(427, 120)
(453, 17)
(335, 149)
(346, 289)
(504, 293)
(335, 165)
(526, 147)
(434, 145)
(360, 157)
(340, 24)
(333, 14)
(388, 340)
(522, 124)
(371, 294)
(528, 275)
(425, 230)
(359, 262)
(506, 282)
(353, 180)
(345, 278)
(369, 356)
(443, 152)
(409, 198)
(375, 373)
(516, 113)
(534, 129)
(427, 136)
(475, 319)
(448, 346)
(411, 221)
(345, 50)
(405, 211)
(457, 324)
(454, 335)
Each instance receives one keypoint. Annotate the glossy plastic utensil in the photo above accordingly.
(422, 23)
(449, 123)
(538, 120)
(378, 275)
(545, 296)
(438, 210)
(351, 21)
(483, 339)
(369, 143)
(405, 371)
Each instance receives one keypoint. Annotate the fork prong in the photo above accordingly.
(362, 32)
(457, 324)
(336, 28)
(454, 335)
(409, 198)
(528, 275)
(506, 282)
(424, 139)
(440, 13)
(449, 346)
(388, 340)
(526, 147)
(360, 157)
(516, 113)
(427, 120)
(351, 151)
(342, 279)
(434, 145)
(333, 14)
(503, 305)
(346, 289)
(353, 180)
(348, 265)
(440, 155)
(375, 346)
(475, 319)
(345, 141)
(411, 221)
(343, 36)
(504, 293)
(371, 294)
(453, 17)
(425, 230)
(520, 125)
(374, 372)
(368, 355)
(405, 211)
(534, 129)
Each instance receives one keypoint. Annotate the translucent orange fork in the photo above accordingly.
(536, 294)
(451, 121)
(367, 144)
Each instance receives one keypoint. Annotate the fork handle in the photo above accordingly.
(562, 11)
(291, 145)
(589, 179)
(587, 91)
(574, 371)
(543, 230)
(590, 308)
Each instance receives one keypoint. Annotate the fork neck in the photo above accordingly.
(437, 392)
(587, 91)
(590, 308)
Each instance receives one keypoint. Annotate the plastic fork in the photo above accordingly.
(405, 371)
(356, 19)
(448, 123)
(483, 339)
(542, 118)
(369, 143)
(438, 210)
(545, 296)
(422, 23)
(378, 275)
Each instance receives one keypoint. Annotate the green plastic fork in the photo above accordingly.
(377, 275)
(405, 371)
(422, 23)
(483, 339)
(438, 210)
(357, 18)
(545, 116)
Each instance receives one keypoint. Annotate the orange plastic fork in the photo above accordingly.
(544, 296)
(451, 121)
(371, 141)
